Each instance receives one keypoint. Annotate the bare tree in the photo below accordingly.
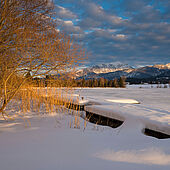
(31, 44)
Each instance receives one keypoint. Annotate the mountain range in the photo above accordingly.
(112, 71)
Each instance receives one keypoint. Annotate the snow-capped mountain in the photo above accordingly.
(111, 71)
(146, 72)
(104, 68)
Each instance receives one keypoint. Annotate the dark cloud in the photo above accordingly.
(129, 31)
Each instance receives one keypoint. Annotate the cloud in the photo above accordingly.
(151, 156)
(134, 31)
(68, 26)
(131, 5)
(62, 12)
(94, 15)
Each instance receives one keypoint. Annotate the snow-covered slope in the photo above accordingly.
(53, 142)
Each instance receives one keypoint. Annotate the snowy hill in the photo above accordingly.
(146, 72)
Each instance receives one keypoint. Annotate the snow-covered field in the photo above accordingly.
(149, 86)
(52, 142)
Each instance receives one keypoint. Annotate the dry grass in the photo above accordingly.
(43, 100)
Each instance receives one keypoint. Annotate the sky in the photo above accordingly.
(134, 32)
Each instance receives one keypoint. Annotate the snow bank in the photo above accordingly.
(123, 113)
(123, 101)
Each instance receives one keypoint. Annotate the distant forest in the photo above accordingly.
(52, 81)
(69, 82)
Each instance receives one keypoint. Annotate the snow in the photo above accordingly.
(123, 101)
(149, 113)
(148, 119)
(140, 156)
(148, 86)
(50, 143)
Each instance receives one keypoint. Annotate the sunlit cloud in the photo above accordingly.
(153, 156)
(64, 13)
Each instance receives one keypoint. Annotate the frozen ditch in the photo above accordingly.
(104, 114)
(104, 108)
(114, 112)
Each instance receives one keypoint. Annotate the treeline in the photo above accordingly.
(151, 80)
(101, 82)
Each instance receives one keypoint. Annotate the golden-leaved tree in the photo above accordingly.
(31, 44)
